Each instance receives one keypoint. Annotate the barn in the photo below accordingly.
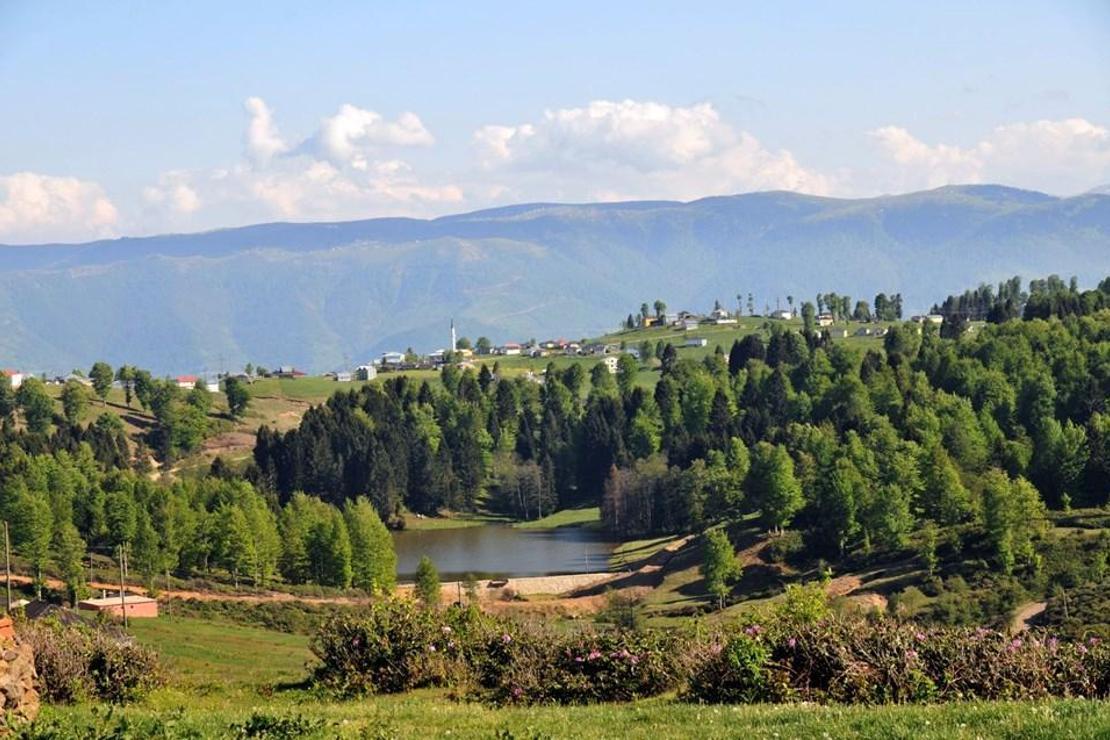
(138, 607)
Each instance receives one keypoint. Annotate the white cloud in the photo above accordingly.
(347, 168)
(262, 140)
(626, 149)
(353, 134)
(1063, 157)
(35, 207)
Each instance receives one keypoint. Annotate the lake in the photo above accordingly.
(501, 551)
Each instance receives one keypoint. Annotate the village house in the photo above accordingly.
(15, 376)
(343, 376)
(696, 341)
(509, 349)
(366, 372)
(825, 319)
(610, 362)
(393, 359)
(689, 325)
(186, 381)
(137, 607)
(781, 314)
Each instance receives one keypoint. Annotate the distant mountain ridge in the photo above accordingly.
(324, 295)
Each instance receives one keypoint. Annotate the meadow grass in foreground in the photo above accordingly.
(432, 714)
(226, 679)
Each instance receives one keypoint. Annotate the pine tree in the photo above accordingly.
(427, 582)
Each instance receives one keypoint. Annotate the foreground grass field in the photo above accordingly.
(234, 681)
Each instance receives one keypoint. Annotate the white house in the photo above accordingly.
(186, 381)
(393, 358)
(610, 362)
(696, 341)
(825, 319)
(343, 376)
(509, 349)
(212, 386)
(15, 376)
(689, 324)
(782, 314)
(366, 372)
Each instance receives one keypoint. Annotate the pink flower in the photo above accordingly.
(517, 692)
(792, 642)
(594, 654)
(920, 636)
(431, 648)
(1093, 641)
(506, 639)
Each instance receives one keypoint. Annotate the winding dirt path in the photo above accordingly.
(1026, 614)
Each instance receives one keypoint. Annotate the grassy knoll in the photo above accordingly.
(201, 652)
(588, 517)
(631, 552)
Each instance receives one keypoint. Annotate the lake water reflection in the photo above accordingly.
(502, 551)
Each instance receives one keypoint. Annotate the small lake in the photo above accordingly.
(501, 551)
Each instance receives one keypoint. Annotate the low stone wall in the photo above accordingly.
(19, 699)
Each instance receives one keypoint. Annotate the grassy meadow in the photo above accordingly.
(228, 680)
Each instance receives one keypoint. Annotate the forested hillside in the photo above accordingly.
(960, 444)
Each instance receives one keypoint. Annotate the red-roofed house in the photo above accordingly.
(16, 377)
(186, 381)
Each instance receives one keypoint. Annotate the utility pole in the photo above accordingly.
(8, 564)
(122, 593)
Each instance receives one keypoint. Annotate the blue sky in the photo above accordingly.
(128, 118)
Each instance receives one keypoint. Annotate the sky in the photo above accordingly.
(133, 118)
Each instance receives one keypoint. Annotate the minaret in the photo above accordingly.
(454, 344)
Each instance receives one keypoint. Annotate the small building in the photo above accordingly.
(509, 349)
(689, 325)
(825, 319)
(16, 377)
(366, 372)
(610, 362)
(935, 318)
(840, 333)
(696, 341)
(393, 358)
(646, 322)
(186, 381)
(343, 376)
(782, 314)
(137, 607)
(720, 322)
(212, 386)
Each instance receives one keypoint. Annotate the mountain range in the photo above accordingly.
(326, 295)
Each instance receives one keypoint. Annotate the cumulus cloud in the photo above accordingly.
(1065, 157)
(353, 134)
(636, 148)
(262, 140)
(36, 207)
(347, 168)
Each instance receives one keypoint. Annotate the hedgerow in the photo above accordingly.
(819, 658)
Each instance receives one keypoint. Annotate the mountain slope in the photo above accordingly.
(326, 294)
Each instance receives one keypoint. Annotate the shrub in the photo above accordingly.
(876, 662)
(399, 646)
(540, 667)
(75, 662)
(396, 647)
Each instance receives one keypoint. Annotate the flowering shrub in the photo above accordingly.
(75, 662)
(873, 662)
(397, 647)
(538, 666)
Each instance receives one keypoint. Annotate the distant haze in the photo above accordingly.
(325, 295)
